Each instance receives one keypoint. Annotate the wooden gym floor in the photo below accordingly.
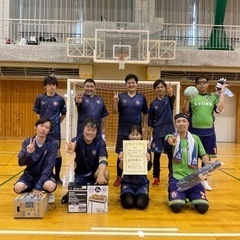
(156, 222)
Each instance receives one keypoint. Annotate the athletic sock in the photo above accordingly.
(58, 167)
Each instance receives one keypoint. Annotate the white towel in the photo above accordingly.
(192, 153)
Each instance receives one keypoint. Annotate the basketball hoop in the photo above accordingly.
(122, 60)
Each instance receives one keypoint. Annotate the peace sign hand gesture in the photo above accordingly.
(115, 97)
(30, 146)
(170, 90)
(70, 146)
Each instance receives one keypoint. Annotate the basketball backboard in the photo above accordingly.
(121, 46)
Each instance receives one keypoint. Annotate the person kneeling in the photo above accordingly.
(135, 188)
(91, 157)
(187, 148)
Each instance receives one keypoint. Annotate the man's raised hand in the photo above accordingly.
(78, 98)
(30, 146)
(70, 146)
(170, 89)
(115, 97)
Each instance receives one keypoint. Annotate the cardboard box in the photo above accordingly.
(28, 206)
(87, 199)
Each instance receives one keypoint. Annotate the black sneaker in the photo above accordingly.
(59, 182)
(65, 199)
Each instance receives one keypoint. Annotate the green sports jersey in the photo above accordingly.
(181, 169)
(201, 110)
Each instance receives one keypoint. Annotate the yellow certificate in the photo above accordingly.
(135, 157)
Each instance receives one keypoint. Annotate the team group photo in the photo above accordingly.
(119, 119)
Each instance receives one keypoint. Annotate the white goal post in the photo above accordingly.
(105, 88)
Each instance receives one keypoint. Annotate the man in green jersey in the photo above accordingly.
(187, 149)
(201, 111)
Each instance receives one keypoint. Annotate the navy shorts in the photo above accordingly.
(134, 189)
(85, 179)
(196, 194)
(119, 145)
(57, 137)
(209, 144)
(157, 144)
(31, 181)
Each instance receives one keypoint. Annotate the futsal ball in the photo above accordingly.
(190, 92)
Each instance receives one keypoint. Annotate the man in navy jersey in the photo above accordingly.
(132, 109)
(38, 154)
(51, 105)
(90, 156)
(160, 122)
(91, 106)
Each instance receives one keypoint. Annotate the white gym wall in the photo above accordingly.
(225, 122)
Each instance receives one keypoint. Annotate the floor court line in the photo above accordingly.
(6, 181)
(9, 164)
(134, 229)
(230, 175)
(121, 233)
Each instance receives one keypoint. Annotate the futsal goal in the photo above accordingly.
(105, 88)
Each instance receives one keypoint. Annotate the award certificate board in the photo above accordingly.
(135, 157)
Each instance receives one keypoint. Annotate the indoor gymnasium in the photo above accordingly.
(105, 40)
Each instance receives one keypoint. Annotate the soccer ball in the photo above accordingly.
(190, 92)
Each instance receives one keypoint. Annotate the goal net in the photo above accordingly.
(105, 88)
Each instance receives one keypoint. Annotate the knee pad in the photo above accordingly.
(176, 208)
(142, 201)
(201, 208)
(127, 200)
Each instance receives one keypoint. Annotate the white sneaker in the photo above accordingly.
(206, 185)
(51, 198)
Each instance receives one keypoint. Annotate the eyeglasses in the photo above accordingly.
(202, 82)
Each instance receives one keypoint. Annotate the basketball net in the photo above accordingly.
(122, 61)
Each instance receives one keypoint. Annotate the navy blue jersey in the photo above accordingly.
(130, 111)
(160, 116)
(87, 157)
(91, 107)
(51, 107)
(41, 162)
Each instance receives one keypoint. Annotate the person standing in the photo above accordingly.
(187, 148)
(38, 154)
(201, 111)
(160, 122)
(132, 109)
(90, 105)
(51, 105)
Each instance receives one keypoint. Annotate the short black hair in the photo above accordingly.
(136, 128)
(89, 80)
(159, 81)
(130, 76)
(50, 80)
(92, 123)
(201, 77)
(43, 120)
